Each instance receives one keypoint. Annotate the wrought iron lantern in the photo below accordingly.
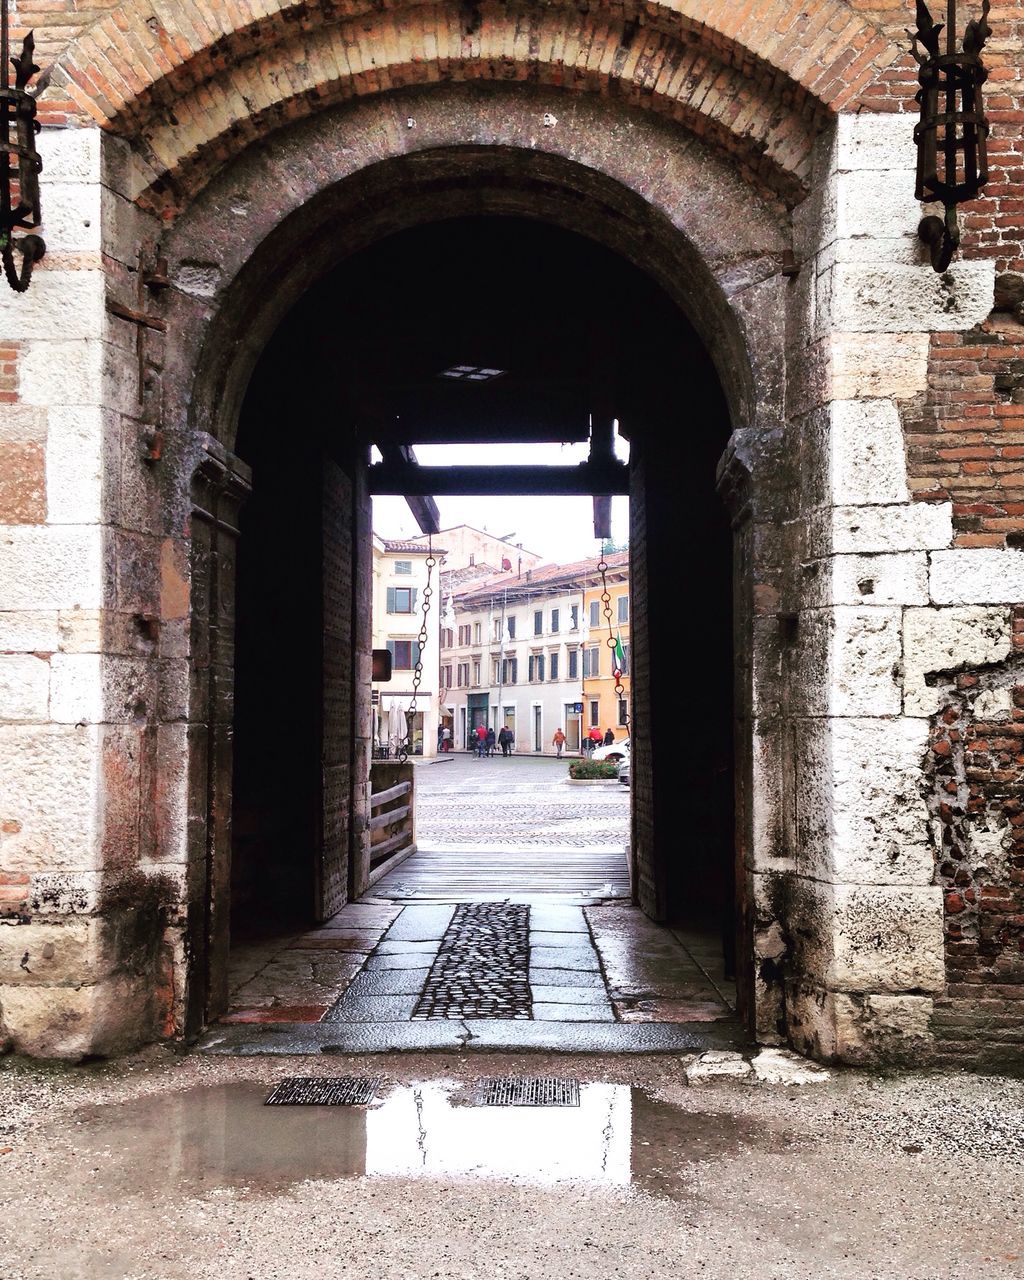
(20, 164)
(952, 165)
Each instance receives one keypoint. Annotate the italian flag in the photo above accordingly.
(619, 656)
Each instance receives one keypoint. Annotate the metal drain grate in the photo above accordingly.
(322, 1091)
(527, 1091)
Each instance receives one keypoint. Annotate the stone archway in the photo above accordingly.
(704, 147)
(447, 172)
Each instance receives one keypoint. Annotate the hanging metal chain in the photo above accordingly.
(405, 750)
(612, 641)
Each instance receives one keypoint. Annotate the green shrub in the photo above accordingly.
(584, 769)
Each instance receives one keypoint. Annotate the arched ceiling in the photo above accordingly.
(193, 83)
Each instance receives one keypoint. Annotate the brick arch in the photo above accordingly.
(754, 79)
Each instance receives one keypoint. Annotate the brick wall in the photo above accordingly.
(977, 806)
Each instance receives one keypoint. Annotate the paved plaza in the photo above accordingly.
(525, 801)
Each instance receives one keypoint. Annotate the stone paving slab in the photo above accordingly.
(558, 919)
(544, 976)
(372, 1009)
(543, 994)
(390, 947)
(402, 959)
(573, 1012)
(421, 922)
(387, 982)
(574, 958)
(482, 1036)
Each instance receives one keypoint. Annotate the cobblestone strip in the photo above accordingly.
(482, 969)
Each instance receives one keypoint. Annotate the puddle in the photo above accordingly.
(223, 1136)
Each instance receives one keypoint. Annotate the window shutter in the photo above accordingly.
(391, 600)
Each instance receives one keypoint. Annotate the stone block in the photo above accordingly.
(847, 662)
(904, 299)
(717, 1064)
(917, 526)
(48, 784)
(978, 575)
(860, 813)
(29, 631)
(781, 1066)
(61, 373)
(879, 364)
(72, 217)
(74, 465)
(22, 465)
(70, 155)
(874, 141)
(887, 939)
(64, 893)
(949, 640)
(864, 662)
(54, 953)
(881, 1030)
(874, 205)
(105, 1018)
(64, 305)
(51, 568)
(898, 579)
(24, 687)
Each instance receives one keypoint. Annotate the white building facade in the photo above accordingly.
(513, 653)
(399, 582)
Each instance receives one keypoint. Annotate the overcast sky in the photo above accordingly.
(558, 529)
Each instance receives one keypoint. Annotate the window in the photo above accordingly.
(476, 632)
(574, 617)
(623, 608)
(574, 664)
(538, 622)
(463, 674)
(510, 671)
(554, 621)
(592, 662)
(476, 672)
(464, 634)
(494, 671)
(511, 628)
(595, 613)
(625, 660)
(401, 599)
(447, 638)
(553, 666)
(403, 567)
(404, 654)
(446, 677)
(595, 714)
(536, 667)
(623, 713)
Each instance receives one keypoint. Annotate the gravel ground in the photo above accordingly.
(914, 1176)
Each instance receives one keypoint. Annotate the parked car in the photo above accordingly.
(613, 753)
(623, 772)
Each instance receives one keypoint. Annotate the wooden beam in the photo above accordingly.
(422, 505)
(602, 516)
(413, 481)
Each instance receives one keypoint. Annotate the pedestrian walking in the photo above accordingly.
(446, 739)
(558, 741)
(609, 737)
(491, 740)
(481, 740)
(505, 740)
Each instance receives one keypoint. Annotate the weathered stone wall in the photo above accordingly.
(874, 405)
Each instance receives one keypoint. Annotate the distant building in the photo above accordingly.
(514, 650)
(399, 580)
(604, 707)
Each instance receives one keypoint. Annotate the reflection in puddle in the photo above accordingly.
(224, 1136)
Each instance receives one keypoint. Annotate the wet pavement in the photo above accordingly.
(538, 974)
(164, 1167)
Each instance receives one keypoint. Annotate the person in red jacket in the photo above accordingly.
(481, 740)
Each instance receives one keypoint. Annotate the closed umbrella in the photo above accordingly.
(397, 727)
